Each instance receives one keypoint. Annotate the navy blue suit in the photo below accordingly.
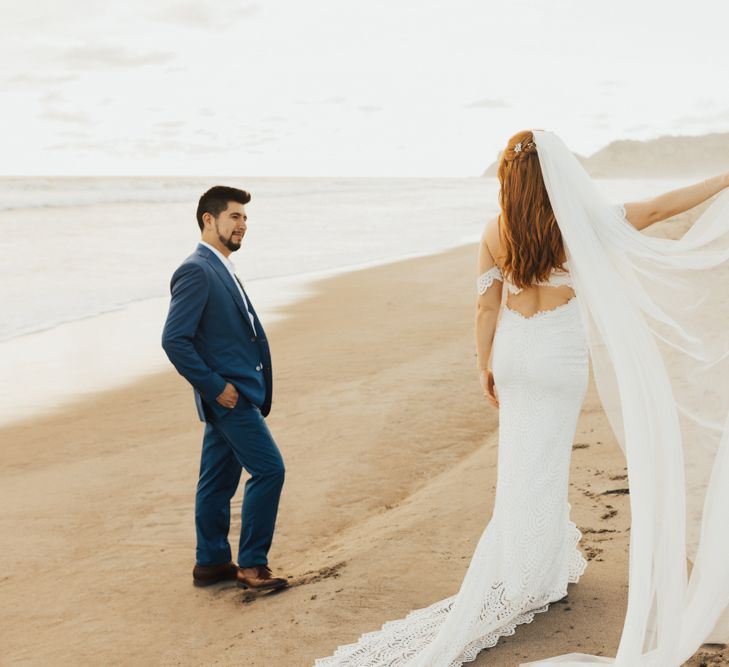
(209, 339)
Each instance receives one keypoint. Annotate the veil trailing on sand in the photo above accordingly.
(656, 312)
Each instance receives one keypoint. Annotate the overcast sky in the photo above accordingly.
(332, 87)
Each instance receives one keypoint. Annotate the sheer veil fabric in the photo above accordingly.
(656, 313)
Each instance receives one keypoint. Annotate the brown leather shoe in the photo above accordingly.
(205, 575)
(260, 578)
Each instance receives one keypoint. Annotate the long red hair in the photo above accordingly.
(528, 228)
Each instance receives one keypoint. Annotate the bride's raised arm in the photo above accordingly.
(646, 213)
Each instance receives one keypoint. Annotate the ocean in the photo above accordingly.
(86, 262)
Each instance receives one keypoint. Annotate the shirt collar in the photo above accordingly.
(226, 262)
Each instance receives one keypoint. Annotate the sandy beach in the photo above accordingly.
(391, 454)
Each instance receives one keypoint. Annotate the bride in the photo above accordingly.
(583, 283)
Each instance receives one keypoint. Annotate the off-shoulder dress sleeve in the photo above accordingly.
(485, 280)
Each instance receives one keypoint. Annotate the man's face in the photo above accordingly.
(230, 226)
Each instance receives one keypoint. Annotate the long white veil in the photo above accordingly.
(657, 316)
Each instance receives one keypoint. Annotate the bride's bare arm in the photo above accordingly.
(487, 309)
(644, 214)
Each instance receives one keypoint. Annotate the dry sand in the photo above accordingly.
(391, 459)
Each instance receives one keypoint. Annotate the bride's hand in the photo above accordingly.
(489, 387)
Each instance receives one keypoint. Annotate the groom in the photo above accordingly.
(215, 340)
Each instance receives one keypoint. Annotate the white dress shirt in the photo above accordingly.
(231, 269)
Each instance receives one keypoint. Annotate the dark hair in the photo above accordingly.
(216, 199)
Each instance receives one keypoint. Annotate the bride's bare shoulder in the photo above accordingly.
(490, 238)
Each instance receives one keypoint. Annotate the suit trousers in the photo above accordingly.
(239, 439)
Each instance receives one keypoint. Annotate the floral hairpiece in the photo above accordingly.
(518, 148)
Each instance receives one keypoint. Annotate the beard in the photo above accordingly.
(229, 242)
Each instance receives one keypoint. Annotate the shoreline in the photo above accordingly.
(125, 342)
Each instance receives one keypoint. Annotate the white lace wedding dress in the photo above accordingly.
(653, 313)
(529, 551)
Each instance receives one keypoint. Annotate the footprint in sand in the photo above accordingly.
(616, 492)
(592, 553)
(710, 655)
(329, 572)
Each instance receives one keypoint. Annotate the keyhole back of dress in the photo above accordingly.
(539, 298)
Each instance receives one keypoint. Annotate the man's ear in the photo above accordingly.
(207, 219)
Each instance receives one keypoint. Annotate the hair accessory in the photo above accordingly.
(518, 148)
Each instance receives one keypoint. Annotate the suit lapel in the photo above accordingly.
(227, 280)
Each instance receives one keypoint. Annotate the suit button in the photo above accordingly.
(253, 339)
(259, 367)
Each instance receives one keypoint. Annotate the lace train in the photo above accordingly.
(397, 642)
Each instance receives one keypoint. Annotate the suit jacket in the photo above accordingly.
(209, 339)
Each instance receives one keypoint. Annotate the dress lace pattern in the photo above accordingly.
(528, 553)
(485, 280)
